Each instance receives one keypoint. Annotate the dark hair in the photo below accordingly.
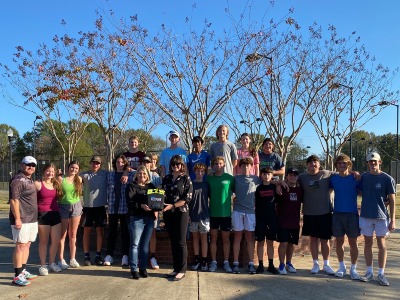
(198, 138)
(77, 181)
(245, 161)
(177, 159)
(252, 150)
(267, 140)
(312, 158)
(114, 162)
(266, 170)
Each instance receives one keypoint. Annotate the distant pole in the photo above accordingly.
(10, 135)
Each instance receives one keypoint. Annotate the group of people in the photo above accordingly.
(223, 190)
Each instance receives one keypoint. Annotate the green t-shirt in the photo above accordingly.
(221, 188)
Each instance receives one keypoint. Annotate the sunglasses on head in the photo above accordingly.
(32, 165)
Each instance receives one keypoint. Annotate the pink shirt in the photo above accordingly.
(47, 199)
(246, 153)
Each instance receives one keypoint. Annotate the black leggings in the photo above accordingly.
(176, 224)
(112, 233)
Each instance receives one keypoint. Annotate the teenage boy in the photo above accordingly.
(345, 214)
(198, 155)
(269, 159)
(378, 192)
(134, 155)
(224, 148)
(266, 220)
(243, 215)
(221, 187)
(288, 211)
(94, 207)
(23, 218)
(199, 217)
(317, 210)
(172, 150)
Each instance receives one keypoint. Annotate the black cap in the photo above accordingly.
(293, 171)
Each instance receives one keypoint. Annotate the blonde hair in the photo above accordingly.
(144, 169)
(222, 126)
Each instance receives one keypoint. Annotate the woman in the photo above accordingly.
(117, 210)
(178, 190)
(247, 151)
(49, 219)
(71, 211)
(141, 221)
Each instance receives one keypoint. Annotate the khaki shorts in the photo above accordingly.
(27, 233)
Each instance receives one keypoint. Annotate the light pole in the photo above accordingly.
(34, 139)
(335, 86)
(387, 103)
(10, 135)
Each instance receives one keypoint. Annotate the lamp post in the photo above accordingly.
(335, 86)
(387, 103)
(10, 135)
(34, 139)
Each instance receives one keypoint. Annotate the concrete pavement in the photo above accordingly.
(113, 282)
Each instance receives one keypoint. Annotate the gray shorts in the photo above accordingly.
(344, 223)
(68, 211)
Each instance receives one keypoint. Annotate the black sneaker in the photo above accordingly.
(98, 260)
(143, 273)
(272, 270)
(260, 269)
(135, 275)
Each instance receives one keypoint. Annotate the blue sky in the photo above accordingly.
(29, 23)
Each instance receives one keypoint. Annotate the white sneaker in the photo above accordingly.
(55, 268)
(43, 271)
(63, 265)
(354, 275)
(153, 263)
(125, 260)
(328, 270)
(73, 263)
(340, 272)
(108, 260)
(315, 269)
(291, 268)
(282, 270)
(213, 266)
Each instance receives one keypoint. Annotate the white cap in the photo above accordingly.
(29, 160)
(373, 156)
(173, 132)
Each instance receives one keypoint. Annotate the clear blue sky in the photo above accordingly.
(29, 23)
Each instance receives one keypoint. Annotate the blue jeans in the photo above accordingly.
(140, 230)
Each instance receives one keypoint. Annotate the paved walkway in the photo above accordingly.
(114, 282)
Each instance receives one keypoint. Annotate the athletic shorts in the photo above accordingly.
(286, 235)
(50, 218)
(319, 226)
(222, 223)
(27, 233)
(94, 215)
(266, 229)
(344, 223)
(203, 226)
(243, 221)
(68, 211)
(368, 226)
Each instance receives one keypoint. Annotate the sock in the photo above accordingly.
(288, 263)
(381, 271)
(23, 267)
(87, 255)
(270, 262)
(326, 262)
(342, 265)
(353, 267)
(251, 263)
(281, 266)
(316, 262)
(197, 258)
(225, 261)
(98, 253)
(236, 263)
(260, 262)
(18, 271)
(370, 269)
(203, 261)
(152, 255)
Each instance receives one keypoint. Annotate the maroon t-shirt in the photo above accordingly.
(134, 159)
(288, 208)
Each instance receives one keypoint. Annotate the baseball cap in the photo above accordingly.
(96, 159)
(172, 132)
(373, 156)
(293, 171)
(146, 158)
(29, 160)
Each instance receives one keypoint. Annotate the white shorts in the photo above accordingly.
(27, 233)
(368, 226)
(243, 221)
(203, 226)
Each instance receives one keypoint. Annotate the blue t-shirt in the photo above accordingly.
(271, 160)
(375, 189)
(345, 188)
(194, 158)
(166, 155)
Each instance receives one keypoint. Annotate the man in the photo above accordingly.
(221, 187)
(23, 218)
(134, 156)
(317, 210)
(345, 214)
(378, 191)
(172, 150)
(224, 148)
(94, 207)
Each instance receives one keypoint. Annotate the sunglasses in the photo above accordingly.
(176, 164)
(32, 165)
